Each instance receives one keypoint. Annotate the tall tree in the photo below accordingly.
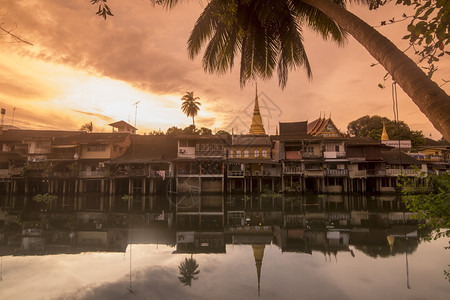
(190, 105)
(268, 34)
(372, 126)
(219, 54)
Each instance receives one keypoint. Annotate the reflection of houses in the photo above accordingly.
(200, 242)
(195, 212)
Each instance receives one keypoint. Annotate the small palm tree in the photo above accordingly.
(88, 127)
(188, 270)
(190, 106)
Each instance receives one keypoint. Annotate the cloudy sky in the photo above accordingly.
(82, 68)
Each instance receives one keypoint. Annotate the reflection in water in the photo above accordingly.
(188, 271)
(289, 233)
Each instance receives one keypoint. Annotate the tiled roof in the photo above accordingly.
(393, 157)
(14, 135)
(91, 138)
(251, 140)
(121, 123)
(353, 141)
(293, 128)
(208, 137)
(149, 148)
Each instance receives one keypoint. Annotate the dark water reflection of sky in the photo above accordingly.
(362, 266)
(231, 275)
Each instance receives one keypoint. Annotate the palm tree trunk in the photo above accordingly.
(426, 94)
(193, 123)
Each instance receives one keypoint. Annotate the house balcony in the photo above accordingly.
(334, 154)
(357, 173)
(92, 174)
(294, 155)
(62, 156)
(311, 155)
(186, 152)
(210, 154)
(375, 173)
(336, 172)
(293, 170)
(403, 172)
(235, 174)
(64, 174)
(314, 173)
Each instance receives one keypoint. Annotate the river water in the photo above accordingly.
(215, 247)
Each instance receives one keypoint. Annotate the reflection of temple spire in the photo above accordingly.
(257, 127)
(391, 240)
(258, 254)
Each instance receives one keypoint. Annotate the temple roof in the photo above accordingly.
(257, 127)
(323, 127)
(293, 128)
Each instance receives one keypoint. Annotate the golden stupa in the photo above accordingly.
(384, 135)
(257, 127)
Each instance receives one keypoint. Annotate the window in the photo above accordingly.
(246, 153)
(264, 153)
(197, 147)
(256, 153)
(336, 148)
(238, 153)
(96, 148)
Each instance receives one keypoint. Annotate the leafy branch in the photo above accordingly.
(103, 8)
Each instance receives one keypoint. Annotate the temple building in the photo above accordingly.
(323, 128)
(250, 165)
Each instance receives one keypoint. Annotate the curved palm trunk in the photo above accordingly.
(426, 94)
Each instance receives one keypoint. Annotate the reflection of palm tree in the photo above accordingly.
(188, 270)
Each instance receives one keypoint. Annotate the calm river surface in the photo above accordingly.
(214, 247)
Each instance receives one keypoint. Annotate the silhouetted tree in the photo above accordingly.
(190, 105)
(188, 271)
(88, 127)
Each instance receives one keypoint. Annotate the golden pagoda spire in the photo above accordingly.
(258, 254)
(257, 127)
(384, 135)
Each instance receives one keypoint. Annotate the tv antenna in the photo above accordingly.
(135, 113)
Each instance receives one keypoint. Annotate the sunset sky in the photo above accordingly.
(82, 68)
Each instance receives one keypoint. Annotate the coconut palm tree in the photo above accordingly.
(190, 105)
(268, 35)
(88, 127)
(188, 270)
